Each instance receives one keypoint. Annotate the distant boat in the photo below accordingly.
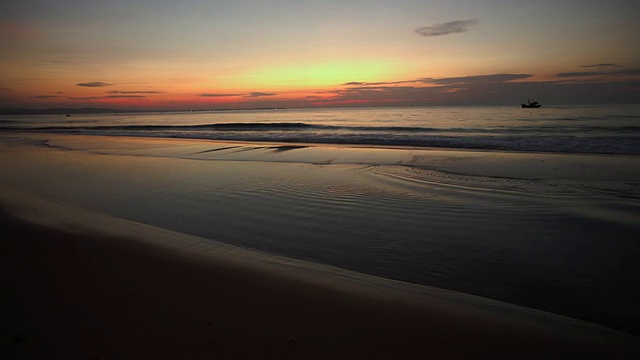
(531, 104)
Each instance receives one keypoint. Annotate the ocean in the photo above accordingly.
(565, 129)
(550, 219)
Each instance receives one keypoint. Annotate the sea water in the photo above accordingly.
(571, 129)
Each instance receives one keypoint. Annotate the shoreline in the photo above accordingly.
(105, 287)
(317, 145)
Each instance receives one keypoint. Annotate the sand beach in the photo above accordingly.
(88, 275)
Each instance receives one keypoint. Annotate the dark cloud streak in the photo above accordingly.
(452, 27)
(473, 79)
(599, 73)
(476, 79)
(474, 92)
(131, 97)
(133, 92)
(44, 96)
(93, 84)
(260, 94)
(601, 65)
(125, 97)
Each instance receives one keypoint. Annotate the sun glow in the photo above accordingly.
(315, 75)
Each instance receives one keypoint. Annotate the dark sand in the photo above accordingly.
(81, 294)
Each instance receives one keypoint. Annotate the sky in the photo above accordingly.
(178, 55)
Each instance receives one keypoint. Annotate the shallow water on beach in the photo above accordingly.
(564, 245)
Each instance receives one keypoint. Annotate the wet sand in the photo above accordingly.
(79, 288)
(84, 285)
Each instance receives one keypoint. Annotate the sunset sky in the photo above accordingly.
(161, 54)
